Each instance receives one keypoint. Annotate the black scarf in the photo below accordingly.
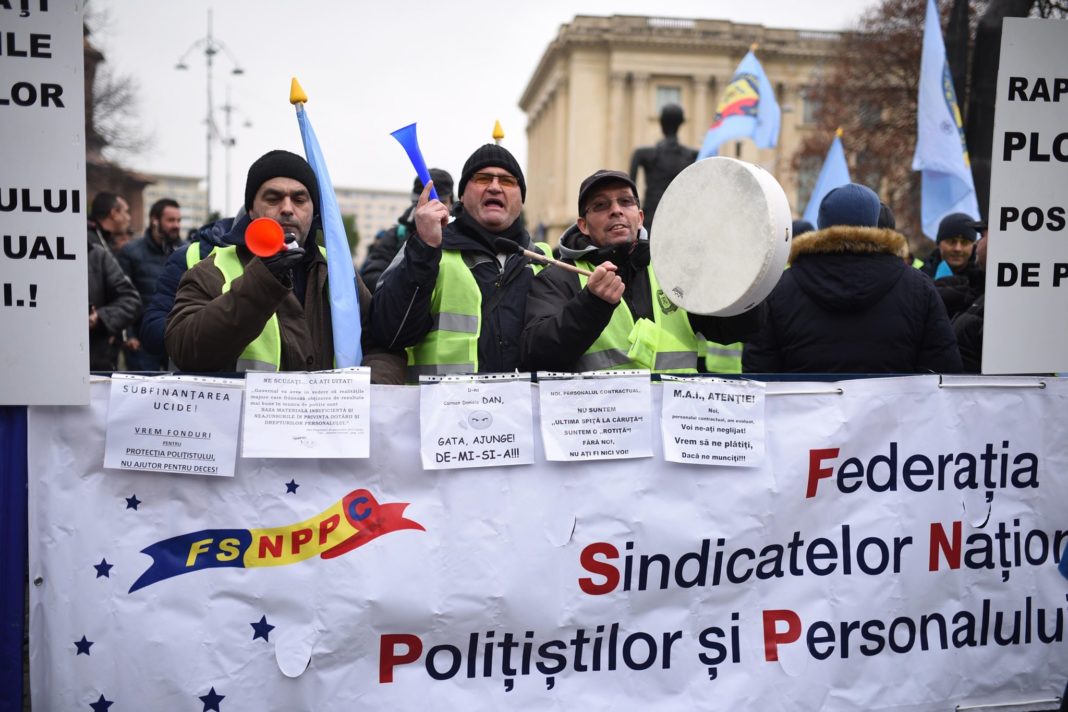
(470, 227)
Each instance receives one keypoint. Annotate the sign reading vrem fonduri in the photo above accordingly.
(1026, 322)
(44, 355)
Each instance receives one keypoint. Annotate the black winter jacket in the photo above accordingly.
(400, 311)
(563, 320)
(850, 304)
(116, 301)
(385, 247)
(143, 260)
(154, 321)
(968, 328)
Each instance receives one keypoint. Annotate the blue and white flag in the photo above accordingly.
(747, 110)
(947, 185)
(344, 296)
(835, 172)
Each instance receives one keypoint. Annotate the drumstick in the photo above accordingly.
(503, 244)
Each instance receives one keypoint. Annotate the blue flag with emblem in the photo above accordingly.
(344, 295)
(835, 172)
(947, 185)
(747, 110)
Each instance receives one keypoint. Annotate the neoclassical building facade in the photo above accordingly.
(596, 95)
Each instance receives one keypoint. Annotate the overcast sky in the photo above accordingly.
(368, 68)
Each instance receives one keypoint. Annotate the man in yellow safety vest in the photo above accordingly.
(619, 317)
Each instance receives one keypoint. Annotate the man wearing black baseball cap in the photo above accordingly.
(618, 318)
(455, 298)
(237, 312)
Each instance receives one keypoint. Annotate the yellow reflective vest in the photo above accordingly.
(666, 344)
(264, 353)
(451, 345)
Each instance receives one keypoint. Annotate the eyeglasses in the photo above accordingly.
(506, 181)
(600, 205)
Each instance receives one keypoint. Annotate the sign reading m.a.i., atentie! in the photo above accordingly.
(1026, 321)
(44, 355)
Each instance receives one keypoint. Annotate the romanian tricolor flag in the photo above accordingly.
(747, 110)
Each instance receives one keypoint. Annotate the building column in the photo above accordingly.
(639, 87)
(560, 164)
(701, 118)
(618, 155)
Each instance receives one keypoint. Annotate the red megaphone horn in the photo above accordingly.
(264, 237)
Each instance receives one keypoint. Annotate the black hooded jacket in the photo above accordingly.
(850, 304)
(563, 319)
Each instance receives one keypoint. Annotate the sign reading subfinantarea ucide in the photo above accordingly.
(476, 421)
(43, 205)
(183, 426)
(597, 417)
(1026, 320)
(713, 422)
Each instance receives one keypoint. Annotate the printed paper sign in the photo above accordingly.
(476, 421)
(323, 414)
(596, 418)
(713, 422)
(184, 425)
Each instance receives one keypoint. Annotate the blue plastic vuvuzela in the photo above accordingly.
(407, 138)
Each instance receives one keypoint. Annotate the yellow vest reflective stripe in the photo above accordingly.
(451, 345)
(721, 358)
(264, 353)
(666, 344)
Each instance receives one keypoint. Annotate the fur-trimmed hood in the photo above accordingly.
(847, 269)
(852, 240)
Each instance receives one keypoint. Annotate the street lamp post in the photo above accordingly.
(229, 140)
(210, 47)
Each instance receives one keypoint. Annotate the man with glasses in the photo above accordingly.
(618, 318)
(453, 298)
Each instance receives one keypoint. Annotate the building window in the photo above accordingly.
(807, 173)
(667, 95)
(810, 107)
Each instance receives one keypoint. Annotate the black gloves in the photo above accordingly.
(282, 263)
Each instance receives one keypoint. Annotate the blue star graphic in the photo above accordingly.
(102, 704)
(132, 502)
(103, 568)
(211, 700)
(263, 629)
(83, 646)
(291, 487)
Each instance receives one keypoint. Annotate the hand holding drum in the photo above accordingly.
(721, 237)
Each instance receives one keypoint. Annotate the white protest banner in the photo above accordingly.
(185, 425)
(322, 414)
(713, 421)
(842, 574)
(602, 416)
(43, 205)
(1025, 328)
(475, 421)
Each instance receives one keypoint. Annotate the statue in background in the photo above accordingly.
(663, 161)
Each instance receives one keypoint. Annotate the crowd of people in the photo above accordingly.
(452, 288)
